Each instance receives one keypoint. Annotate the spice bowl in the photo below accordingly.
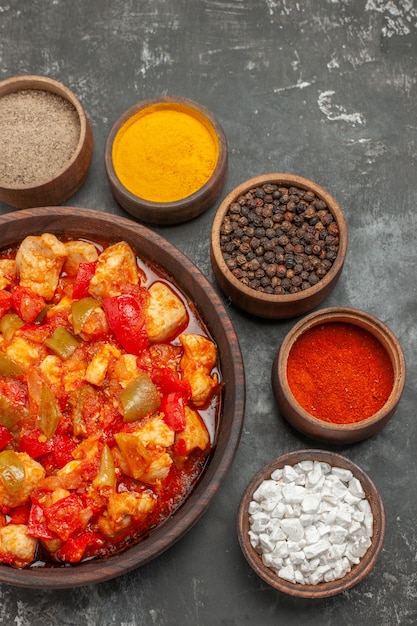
(290, 554)
(278, 245)
(338, 375)
(166, 160)
(47, 142)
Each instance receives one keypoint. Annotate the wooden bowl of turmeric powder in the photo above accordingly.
(46, 139)
(338, 375)
(166, 160)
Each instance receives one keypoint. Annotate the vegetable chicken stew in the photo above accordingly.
(109, 396)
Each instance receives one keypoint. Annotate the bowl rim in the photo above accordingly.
(35, 82)
(195, 199)
(324, 589)
(364, 320)
(75, 221)
(285, 179)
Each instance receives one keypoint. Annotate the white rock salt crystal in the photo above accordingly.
(336, 552)
(289, 474)
(253, 538)
(315, 578)
(277, 474)
(254, 507)
(314, 549)
(306, 519)
(339, 490)
(277, 534)
(266, 543)
(293, 494)
(342, 473)
(287, 573)
(267, 489)
(330, 518)
(355, 487)
(292, 528)
(350, 498)
(297, 557)
(267, 559)
(338, 534)
(314, 475)
(344, 515)
(355, 527)
(323, 529)
(259, 521)
(306, 466)
(269, 504)
(281, 550)
(296, 546)
(279, 510)
(326, 468)
(311, 534)
(311, 503)
(299, 578)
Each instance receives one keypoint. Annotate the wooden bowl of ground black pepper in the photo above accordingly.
(338, 376)
(278, 245)
(46, 139)
(166, 160)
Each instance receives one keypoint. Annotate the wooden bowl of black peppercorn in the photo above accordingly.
(278, 245)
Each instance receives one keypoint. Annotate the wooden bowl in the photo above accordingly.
(167, 211)
(316, 428)
(95, 225)
(264, 304)
(321, 589)
(63, 183)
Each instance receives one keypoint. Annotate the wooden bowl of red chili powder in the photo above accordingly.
(166, 160)
(339, 375)
(46, 142)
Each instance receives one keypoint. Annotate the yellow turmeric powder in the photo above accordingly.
(165, 152)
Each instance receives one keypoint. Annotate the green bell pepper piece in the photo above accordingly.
(81, 310)
(12, 471)
(62, 342)
(139, 398)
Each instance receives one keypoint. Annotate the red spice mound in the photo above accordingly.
(339, 373)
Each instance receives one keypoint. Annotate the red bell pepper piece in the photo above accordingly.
(27, 304)
(5, 436)
(5, 302)
(37, 526)
(73, 550)
(34, 445)
(126, 317)
(82, 281)
(65, 517)
(167, 381)
(20, 514)
(172, 406)
(62, 447)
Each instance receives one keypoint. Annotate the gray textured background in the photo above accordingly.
(321, 88)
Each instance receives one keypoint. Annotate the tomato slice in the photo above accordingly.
(126, 317)
(27, 303)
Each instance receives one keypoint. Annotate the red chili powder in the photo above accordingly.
(339, 372)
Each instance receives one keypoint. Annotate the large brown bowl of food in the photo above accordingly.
(119, 418)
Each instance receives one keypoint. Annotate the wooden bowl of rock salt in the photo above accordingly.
(311, 524)
(46, 140)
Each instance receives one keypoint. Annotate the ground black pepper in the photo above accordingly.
(279, 240)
